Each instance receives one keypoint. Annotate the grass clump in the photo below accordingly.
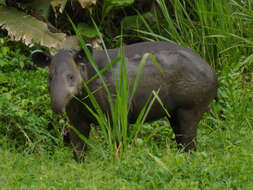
(216, 30)
(223, 161)
(114, 125)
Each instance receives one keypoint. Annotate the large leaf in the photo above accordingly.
(110, 4)
(28, 29)
(41, 7)
(118, 3)
(87, 31)
(135, 21)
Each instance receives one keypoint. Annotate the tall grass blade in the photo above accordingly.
(104, 69)
(84, 139)
(101, 38)
(160, 102)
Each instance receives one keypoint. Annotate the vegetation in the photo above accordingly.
(32, 154)
(46, 22)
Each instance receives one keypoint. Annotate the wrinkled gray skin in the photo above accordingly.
(187, 86)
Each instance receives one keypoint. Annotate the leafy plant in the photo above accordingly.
(25, 117)
(224, 156)
(110, 4)
(134, 22)
(87, 31)
(45, 22)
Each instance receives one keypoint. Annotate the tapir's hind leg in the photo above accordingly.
(184, 123)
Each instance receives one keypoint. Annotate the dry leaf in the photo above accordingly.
(28, 29)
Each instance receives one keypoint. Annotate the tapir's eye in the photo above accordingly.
(70, 77)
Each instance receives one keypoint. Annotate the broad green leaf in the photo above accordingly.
(134, 22)
(5, 50)
(3, 77)
(118, 3)
(110, 4)
(3, 63)
(41, 7)
(28, 29)
(87, 31)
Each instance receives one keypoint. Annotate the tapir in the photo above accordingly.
(186, 85)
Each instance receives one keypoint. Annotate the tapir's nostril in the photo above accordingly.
(58, 102)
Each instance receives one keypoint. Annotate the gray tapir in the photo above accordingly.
(187, 84)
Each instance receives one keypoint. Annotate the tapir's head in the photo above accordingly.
(67, 70)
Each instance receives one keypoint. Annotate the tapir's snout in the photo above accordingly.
(59, 103)
(61, 94)
(58, 108)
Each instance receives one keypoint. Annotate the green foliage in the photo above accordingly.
(134, 22)
(51, 18)
(3, 2)
(223, 160)
(39, 6)
(217, 30)
(116, 133)
(110, 4)
(21, 109)
(25, 115)
(87, 31)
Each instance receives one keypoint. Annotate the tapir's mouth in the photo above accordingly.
(58, 110)
(59, 105)
(60, 98)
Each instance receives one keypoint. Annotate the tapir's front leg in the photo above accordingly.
(79, 146)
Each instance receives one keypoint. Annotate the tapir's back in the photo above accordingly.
(138, 50)
(184, 78)
(179, 65)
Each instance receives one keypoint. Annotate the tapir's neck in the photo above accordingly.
(90, 71)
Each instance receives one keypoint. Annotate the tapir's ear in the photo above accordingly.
(89, 46)
(84, 71)
(40, 58)
(80, 55)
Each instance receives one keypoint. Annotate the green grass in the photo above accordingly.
(216, 30)
(224, 159)
(33, 157)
